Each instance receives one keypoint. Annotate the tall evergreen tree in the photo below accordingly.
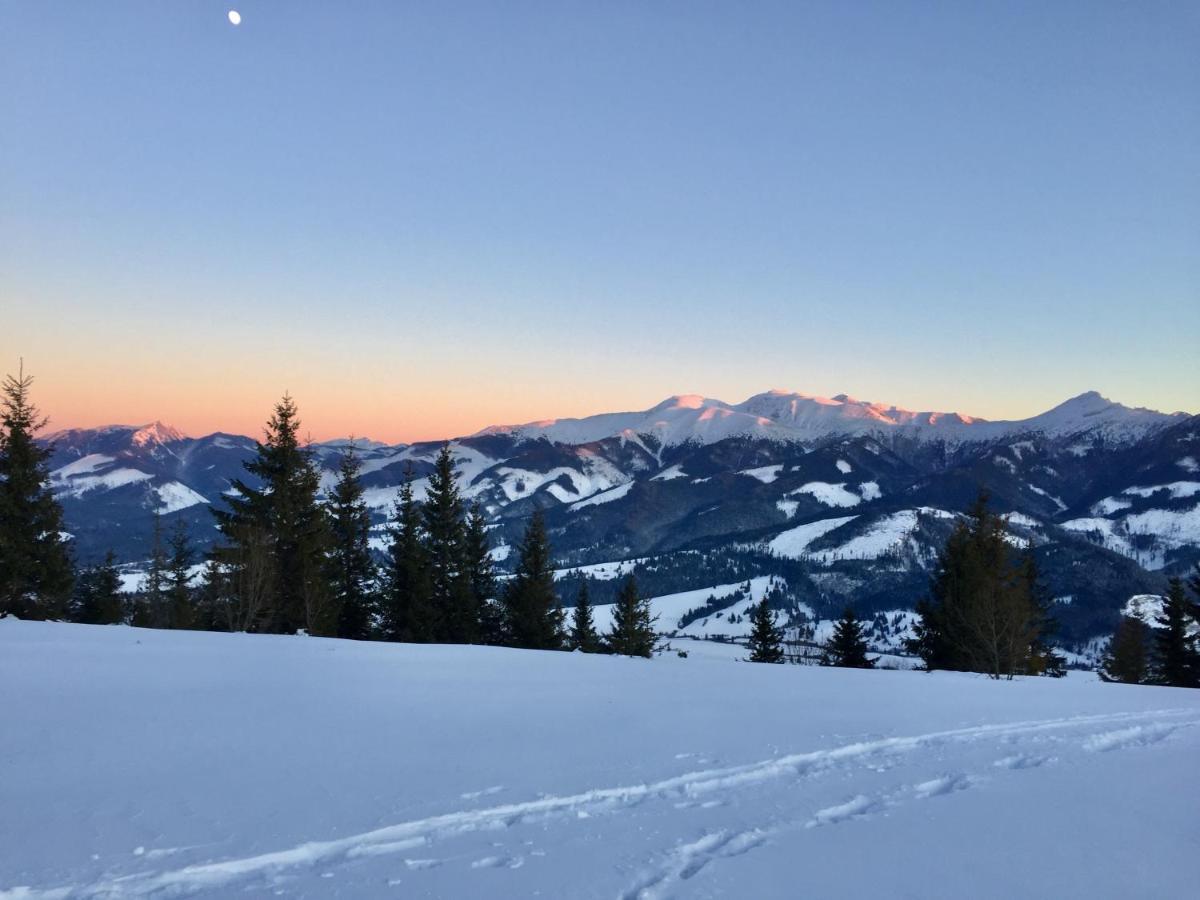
(445, 543)
(181, 612)
(983, 613)
(149, 605)
(36, 575)
(1126, 660)
(407, 613)
(847, 646)
(766, 637)
(583, 627)
(633, 624)
(282, 519)
(352, 571)
(534, 619)
(481, 576)
(1176, 659)
(98, 599)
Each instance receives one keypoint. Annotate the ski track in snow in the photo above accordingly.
(1103, 733)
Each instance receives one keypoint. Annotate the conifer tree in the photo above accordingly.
(98, 598)
(407, 614)
(766, 637)
(983, 613)
(583, 628)
(533, 617)
(180, 608)
(149, 607)
(633, 624)
(1126, 659)
(282, 519)
(847, 646)
(36, 575)
(445, 552)
(1177, 661)
(481, 576)
(352, 571)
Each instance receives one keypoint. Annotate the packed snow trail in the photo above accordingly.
(713, 829)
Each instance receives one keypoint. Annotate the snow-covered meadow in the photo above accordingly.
(143, 763)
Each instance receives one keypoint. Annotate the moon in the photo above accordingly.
(235, 17)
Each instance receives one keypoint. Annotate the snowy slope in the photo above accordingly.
(316, 768)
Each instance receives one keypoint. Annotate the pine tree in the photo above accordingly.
(352, 571)
(180, 608)
(445, 552)
(277, 537)
(1177, 661)
(847, 646)
(36, 575)
(984, 612)
(583, 628)
(533, 617)
(633, 624)
(766, 637)
(482, 578)
(98, 598)
(407, 613)
(149, 607)
(1126, 659)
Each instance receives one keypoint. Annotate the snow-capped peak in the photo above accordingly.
(155, 433)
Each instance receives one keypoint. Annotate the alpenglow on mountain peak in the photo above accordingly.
(783, 415)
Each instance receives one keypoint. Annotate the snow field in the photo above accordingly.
(146, 763)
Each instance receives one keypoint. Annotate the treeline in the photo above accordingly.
(288, 562)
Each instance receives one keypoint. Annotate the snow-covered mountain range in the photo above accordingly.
(826, 500)
(800, 418)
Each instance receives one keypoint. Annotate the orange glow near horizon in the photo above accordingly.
(404, 412)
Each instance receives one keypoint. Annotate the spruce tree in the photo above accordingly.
(1177, 661)
(481, 576)
(98, 594)
(847, 646)
(352, 571)
(407, 613)
(1126, 659)
(149, 604)
(533, 617)
(276, 536)
(445, 552)
(766, 637)
(36, 575)
(583, 628)
(984, 612)
(633, 624)
(180, 607)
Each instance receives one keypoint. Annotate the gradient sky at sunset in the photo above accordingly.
(423, 218)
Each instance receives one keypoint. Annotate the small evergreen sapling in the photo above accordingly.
(633, 624)
(583, 628)
(847, 647)
(766, 637)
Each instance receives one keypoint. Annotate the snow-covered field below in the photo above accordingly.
(143, 763)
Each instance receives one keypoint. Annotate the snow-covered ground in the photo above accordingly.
(137, 763)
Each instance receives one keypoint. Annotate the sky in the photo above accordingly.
(424, 218)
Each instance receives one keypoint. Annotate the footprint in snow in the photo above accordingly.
(937, 787)
(1022, 761)
(488, 791)
(498, 862)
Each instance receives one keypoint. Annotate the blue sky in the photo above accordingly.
(425, 218)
